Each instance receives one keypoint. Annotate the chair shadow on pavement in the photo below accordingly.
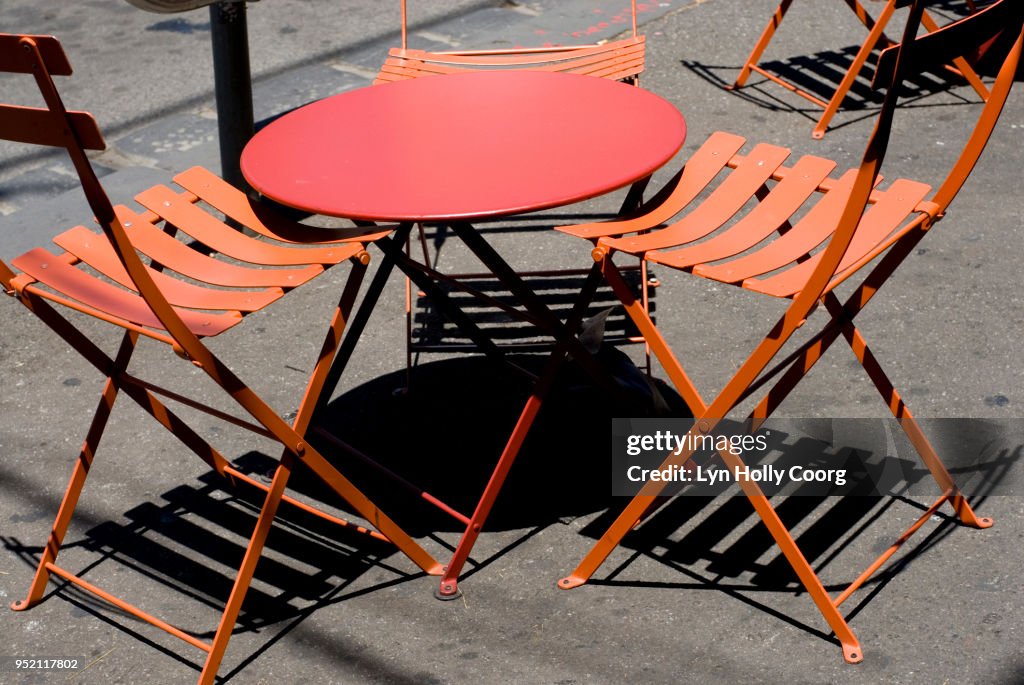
(445, 435)
(820, 74)
(720, 544)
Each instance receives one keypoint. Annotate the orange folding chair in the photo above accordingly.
(619, 60)
(876, 36)
(797, 232)
(176, 274)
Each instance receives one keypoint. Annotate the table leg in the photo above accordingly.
(635, 196)
(355, 329)
(449, 587)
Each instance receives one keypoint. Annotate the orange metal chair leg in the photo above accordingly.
(246, 571)
(829, 609)
(874, 35)
(907, 422)
(762, 43)
(78, 475)
(706, 419)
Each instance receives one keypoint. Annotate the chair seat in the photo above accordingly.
(616, 60)
(758, 223)
(261, 269)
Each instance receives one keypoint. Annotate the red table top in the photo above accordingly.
(463, 146)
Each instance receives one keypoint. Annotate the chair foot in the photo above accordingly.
(570, 582)
(965, 513)
(979, 523)
(22, 605)
(852, 653)
(447, 591)
(818, 134)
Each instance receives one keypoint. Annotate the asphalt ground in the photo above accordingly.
(697, 595)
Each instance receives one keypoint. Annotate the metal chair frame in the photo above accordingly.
(876, 36)
(140, 292)
(858, 224)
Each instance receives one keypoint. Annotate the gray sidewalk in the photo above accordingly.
(692, 600)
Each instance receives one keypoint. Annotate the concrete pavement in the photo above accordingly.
(691, 600)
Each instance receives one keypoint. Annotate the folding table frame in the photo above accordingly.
(785, 214)
(140, 277)
(876, 36)
(534, 310)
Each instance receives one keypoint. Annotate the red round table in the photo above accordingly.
(464, 146)
(452, 149)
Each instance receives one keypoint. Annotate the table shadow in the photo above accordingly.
(444, 434)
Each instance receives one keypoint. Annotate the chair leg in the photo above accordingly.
(657, 343)
(245, 572)
(648, 498)
(876, 33)
(962, 67)
(912, 428)
(317, 384)
(323, 379)
(803, 364)
(362, 316)
(645, 502)
(78, 475)
(865, 18)
(852, 652)
(762, 43)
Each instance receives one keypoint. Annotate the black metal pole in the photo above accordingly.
(233, 85)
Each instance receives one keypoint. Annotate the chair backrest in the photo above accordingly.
(54, 125)
(405, 22)
(618, 60)
(998, 24)
(1003, 22)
